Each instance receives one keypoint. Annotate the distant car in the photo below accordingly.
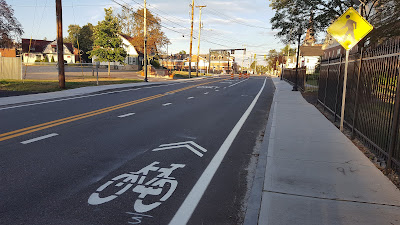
(244, 71)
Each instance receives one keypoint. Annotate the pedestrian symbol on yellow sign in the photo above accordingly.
(349, 28)
(351, 25)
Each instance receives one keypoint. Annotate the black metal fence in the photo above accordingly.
(305, 82)
(372, 99)
(289, 75)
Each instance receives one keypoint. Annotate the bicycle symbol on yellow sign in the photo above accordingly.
(349, 28)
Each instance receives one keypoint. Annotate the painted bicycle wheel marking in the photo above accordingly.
(140, 183)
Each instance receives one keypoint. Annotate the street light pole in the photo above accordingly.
(295, 88)
(145, 42)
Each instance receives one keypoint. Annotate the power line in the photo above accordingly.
(154, 13)
(130, 9)
(234, 20)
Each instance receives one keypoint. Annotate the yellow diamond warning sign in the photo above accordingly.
(349, 28)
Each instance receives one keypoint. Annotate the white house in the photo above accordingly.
(38, 50)
(51, 52)
(310, 56)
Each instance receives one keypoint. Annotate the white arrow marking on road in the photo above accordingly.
(129, 114)
(182, 145)
(190, 97)
(39, 138)
(167, 104)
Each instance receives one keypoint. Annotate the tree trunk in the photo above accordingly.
(109, 73)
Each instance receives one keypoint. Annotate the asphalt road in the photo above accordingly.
(170, 154)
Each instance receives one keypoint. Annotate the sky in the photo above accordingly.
(227, 24)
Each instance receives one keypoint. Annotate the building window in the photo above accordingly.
(338, 52)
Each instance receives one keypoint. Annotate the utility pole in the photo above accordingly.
(145, 42)
(244, 52)
(191, 40)
(60, 45)
(198, 45)
(295, 87)
(251, 61)
(255, 63)
(209, 61)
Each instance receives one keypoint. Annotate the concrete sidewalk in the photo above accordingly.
(314, 174)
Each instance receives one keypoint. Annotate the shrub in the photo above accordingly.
(155, 63)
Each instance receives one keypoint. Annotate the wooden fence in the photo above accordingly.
(10, 68)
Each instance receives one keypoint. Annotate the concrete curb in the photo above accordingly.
(13, 100)
(254, 201)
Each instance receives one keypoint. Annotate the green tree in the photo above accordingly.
(10, 28)
(108, 46)
(86, 39)
(73, 33)
(82, 38)
(288, 50)
(272, 57)
(290, 15)
(253, 65)
(182, 52)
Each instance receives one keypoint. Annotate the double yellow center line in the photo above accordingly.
(31, 129)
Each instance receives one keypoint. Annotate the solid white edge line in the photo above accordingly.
(126, 115)
(39, 138)
(185, 211)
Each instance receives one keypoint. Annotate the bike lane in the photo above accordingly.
(137, 171)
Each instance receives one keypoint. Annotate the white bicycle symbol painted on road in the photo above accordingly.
(153, 187)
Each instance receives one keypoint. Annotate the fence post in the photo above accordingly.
(395, 122)
(357, 95)
(326, 83)
(304, 79)
(337, 88)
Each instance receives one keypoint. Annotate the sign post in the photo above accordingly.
(348, 30)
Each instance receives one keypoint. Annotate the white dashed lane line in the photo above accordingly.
(206, 93)
(237, 83)
(39, 138)
(126, 115)
(167, 104)
(190, 98)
